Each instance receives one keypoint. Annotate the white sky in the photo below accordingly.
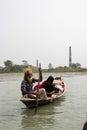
(43, 30)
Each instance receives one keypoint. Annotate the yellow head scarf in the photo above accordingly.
(28, 71)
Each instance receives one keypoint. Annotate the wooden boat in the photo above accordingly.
(31, 103)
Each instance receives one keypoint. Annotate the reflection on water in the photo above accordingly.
(10, 77)
(43, 119)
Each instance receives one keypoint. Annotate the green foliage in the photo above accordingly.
(10, 67)
(8, 63)
(76, 65)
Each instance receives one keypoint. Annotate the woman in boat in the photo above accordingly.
(27, 84)
(47, 85)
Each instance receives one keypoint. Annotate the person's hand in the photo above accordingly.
(36, 93)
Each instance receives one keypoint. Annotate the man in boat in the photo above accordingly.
(27, 84)
(47, 85)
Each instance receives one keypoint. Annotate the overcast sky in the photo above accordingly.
(43, 30)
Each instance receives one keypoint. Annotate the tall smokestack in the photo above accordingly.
(70, 57)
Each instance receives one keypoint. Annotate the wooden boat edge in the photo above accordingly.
(30, 103)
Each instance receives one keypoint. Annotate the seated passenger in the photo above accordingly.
(47, 85)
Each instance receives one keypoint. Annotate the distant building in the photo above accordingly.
(70, 57)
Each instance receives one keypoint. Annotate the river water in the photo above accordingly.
(69, 113)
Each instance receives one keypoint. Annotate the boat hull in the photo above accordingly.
(32, 103)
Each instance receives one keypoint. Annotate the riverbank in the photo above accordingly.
(65, 70)
(53, 70)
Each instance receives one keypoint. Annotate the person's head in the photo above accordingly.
(85, 126)
(49, 80)
(28, 75)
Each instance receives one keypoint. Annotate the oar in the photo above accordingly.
(37, 89)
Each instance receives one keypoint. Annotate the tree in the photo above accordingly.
(25, 62)
(50, 66)
(76, 65)
(8, 63)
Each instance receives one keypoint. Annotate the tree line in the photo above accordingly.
(10, 67)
